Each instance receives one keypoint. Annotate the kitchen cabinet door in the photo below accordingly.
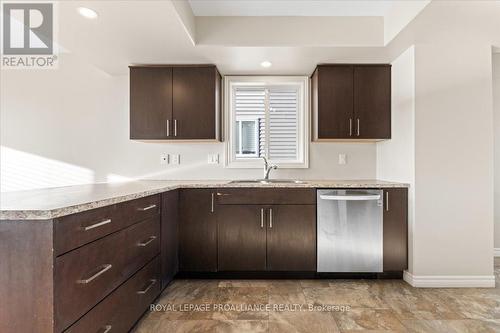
(197, 231)
(196, 103)
(291, 238)
(150, 102)
(169, 236)
(372, 102)
(333, 102)
(242, 238)
(395, 229)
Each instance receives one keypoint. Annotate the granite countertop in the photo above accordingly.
(42, 204)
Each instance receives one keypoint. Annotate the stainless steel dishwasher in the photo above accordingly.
(350, 230)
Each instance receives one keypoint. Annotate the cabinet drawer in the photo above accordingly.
(76, 230)
(86, 275)
(266, 196)
(121, 309)
(141, 209)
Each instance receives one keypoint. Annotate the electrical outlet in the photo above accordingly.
(175, 159)
(342, 159)
(213, 158)
(163, 159)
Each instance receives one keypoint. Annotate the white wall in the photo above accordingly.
(454, 160)
(453, 222)
(71, 126)
(396, 157)
(496, 107)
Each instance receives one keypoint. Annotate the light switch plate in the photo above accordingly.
(213, 158)
(175, 159)
(163, 159)
(342, 159)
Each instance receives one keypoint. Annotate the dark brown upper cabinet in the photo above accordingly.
(150, 102)
(351, 102)
(175, 102)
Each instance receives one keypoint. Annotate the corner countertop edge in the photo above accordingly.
(51, 203)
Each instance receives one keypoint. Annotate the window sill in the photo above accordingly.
(260, 165)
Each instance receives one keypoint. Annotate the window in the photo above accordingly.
(266, 116)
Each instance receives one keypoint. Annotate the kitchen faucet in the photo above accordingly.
(268, 167)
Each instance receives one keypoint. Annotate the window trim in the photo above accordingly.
(303, 116)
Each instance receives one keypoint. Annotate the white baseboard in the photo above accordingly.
(496, 252)
(449, 281)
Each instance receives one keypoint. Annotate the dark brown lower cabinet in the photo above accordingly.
(197, 231)
(242, 238)
(291, 238)
(169, 236)
(266, 237)
(395, 229)
(121, 309)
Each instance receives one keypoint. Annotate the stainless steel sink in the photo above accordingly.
(267, 181)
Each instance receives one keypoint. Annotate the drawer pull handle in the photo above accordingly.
(107, 328)
(212, 204)
(104, 269)
(141, 292)
(97, 225)
(222, 194)
(150, 239)
(147, 208)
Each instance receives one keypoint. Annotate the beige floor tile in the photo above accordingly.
(178, 326)
(302, 322)
(243, 295)
(368, 319)
(244, 283)
(451, 326)
(242, 326)
(376, 306)
(338, 296)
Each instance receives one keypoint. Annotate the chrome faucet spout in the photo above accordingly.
(268, 167)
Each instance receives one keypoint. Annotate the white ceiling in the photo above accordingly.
(141, 32)
(290, 8)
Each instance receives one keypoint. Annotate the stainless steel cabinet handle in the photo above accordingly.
(350, 126)
(358, 126)
(107, 328)
(262, 217)
(175, 127)
(96, 225)
(104, 269)
(168, 127)
(270, 218)
(150, 239)
(147, 208)
(386, 201)
(153, 281)
(212, 207)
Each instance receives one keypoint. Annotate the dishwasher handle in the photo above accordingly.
(350, 197)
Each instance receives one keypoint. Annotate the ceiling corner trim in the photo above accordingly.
(186, 17)
(400, 15)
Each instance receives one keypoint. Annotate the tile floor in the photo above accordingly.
(375, 305)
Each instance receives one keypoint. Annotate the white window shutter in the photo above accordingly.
(283, 123)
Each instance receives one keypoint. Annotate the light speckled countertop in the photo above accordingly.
(60, 201)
